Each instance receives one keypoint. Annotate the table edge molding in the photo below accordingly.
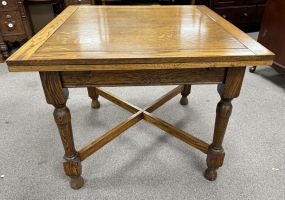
(144, 66)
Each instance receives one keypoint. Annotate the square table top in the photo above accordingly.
(138, 37)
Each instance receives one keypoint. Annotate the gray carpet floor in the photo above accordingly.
(143, 162)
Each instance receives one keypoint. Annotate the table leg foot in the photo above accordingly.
(185, 92)
(252, 69)
(95, 104)
(76, 182)
(210, 175)
(184, 101)
(215, 159)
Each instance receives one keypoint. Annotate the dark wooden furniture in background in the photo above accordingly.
(15, 22)
(272, 32)
(245, 14)
(15, 25)
(91, 46)
(58, 5)
(43, 11)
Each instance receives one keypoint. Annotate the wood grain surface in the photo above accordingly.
(151, 37)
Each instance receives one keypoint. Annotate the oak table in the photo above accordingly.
(93, 46)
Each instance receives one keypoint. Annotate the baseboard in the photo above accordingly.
(279, 67)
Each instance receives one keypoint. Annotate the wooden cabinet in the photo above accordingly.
(8, 5)
(14, 24)
(11, 23)
(272, 32)
(246, 14)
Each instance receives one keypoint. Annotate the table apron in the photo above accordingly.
(142, 77)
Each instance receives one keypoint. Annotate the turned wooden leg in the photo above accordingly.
(94, 96)
(71, 163)
(57, 96)
(216, 154)
(229, 90)
(186, 91)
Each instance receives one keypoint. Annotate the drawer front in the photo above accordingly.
(224, 3)
(11, 23)
(239, 15)
(77, 2)
(252, 2)
(8, 4)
